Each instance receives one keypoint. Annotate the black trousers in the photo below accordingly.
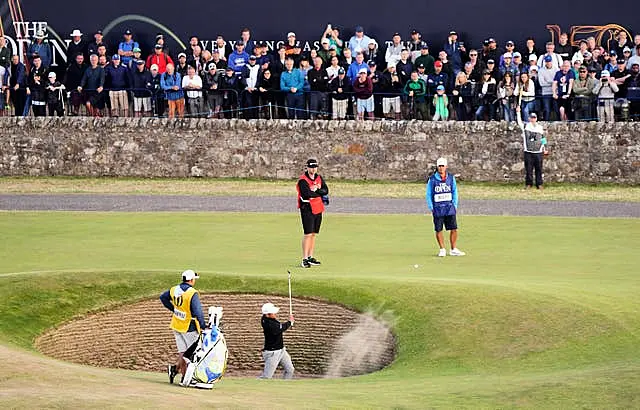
(533, 163)
(19, 98)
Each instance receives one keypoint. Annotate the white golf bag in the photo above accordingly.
(208, 362)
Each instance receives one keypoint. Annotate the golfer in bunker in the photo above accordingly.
(274, 353)
(187, 321)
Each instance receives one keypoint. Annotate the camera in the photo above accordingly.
(604, 80)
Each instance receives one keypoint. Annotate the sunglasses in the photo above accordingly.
(473, 54)
(441, 166)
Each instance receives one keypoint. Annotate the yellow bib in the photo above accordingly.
(181, 301)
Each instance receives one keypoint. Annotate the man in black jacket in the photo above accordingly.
(72, 78)
(319, 82)
(274, 352)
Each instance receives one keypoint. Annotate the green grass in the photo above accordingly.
(257, 187)
(541, 313)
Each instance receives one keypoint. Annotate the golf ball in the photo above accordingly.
(416, 266)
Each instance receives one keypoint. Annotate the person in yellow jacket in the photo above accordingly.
(188, 319)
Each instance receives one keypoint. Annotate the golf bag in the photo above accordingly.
(207, 358)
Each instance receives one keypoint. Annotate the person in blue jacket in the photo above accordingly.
(238, 59)
(442, 200)
(292, 84)
(40, 47)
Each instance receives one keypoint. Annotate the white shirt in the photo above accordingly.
(3, 71)
(188, 82)
(253, 75)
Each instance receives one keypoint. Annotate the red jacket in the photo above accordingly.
(161, 60)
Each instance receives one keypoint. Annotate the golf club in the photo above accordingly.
(290, 304)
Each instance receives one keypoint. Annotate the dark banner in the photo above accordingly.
(271, 21)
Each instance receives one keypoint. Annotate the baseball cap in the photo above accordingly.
(414, 31)
(396, 34)
(158, 46)
(52, 74)
(229, 68)
(421, 65)
(115, 57)
(437, 64)
(485, 43)
(533, 68)
(215, 51)
(359, 29)
(510, 43)
(613, 53)
(240, 43)
(440, 87)
(548, 59)
(491, 61)
(98, 32)
(269, 308)
(425, 46)
(486, 71)
(586, 54)
(605, 73)
(189, 274)
(533, 115)
(137, 50)
(211, 66)
(453, 33)
(182, 55)
(626, 49)
(492, 40)
(139, 62)
(371, 63)
(621, 61)
(340, 70)
(533, 57)
(507, 55)
(312, 162)
(127, 32)
(391, 64)
(291, 34)
(517, 54)
(362, 71)
(333, 47)
(441, 161)
(252, 57)
(153, 67)
(325, 41)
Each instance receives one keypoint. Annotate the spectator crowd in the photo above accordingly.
(355, 77)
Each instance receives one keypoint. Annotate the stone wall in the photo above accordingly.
(389, 150)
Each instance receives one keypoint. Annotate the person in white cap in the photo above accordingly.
(274, 352)
(442, 200)
(187, 321)
(535, 147)
(605, 91)
(77, 45)
(54, 93)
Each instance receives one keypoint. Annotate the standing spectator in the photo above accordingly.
(171, 83)
(266, 96)
(441, 105)
(98, 40)
(5, 53)
(455, 52)
(564, 49)
(415, 90)
(356, 66)
(238, 59)
(535, 146)
(518, 63)
(633, 92)
(182, 66)
(582, 49)
(605, 91)
(159, 58)
(195, 59)
(245, 36)
(160, 40)
(4, 91)
(556, 59)
(77, 45)
(324, 51)
(621, 43)
(347, 58)
(55, 96)
(332, 70)
(92, 83)
(487, 95)
(415, 46)
(125, 48)
(636, 43)
(292, 83)
(117, 80)
(404, 67)
(635, 59)
(36, 87)
(392, 55)
(142, 90)
(372, 53)
(426, 60)
(463, 97)
(229, 87)
(192, 85)
(509, 47)
(224, 49)
(363, 89)
(18, 85)
(506, 96)
(525, 93)
(210, 85)
(621, 77)
(248, 84)
(217, 60)
(359, 41)
(391, 89)
(442, 201)
(546, 76)
(439, 77)
(530, 49)
(447, 69)
(508, 66)
(290, 46)
(562, 87)
(340, 89)
(40, 47)
(158, 101)
(319, 82)
(583, 95)
(333, 34)
(73, 76)
(193, 43)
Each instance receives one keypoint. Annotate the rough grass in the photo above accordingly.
(542, 313)
(253, 187)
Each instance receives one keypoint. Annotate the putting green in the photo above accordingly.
(542, 312)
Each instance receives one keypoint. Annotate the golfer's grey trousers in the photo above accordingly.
(274, 358)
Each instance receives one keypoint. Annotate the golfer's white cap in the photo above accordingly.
(189, 275)
(441, 161)
(268, 308)
(291, 34)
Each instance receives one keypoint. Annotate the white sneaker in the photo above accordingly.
(442, 253)
(456, 252)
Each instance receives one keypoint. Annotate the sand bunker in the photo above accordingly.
(327, 340)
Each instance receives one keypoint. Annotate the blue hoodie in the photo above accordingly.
(237, 61)
(437, 179)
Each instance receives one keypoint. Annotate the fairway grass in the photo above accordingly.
(254, 187)
(541, 313)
